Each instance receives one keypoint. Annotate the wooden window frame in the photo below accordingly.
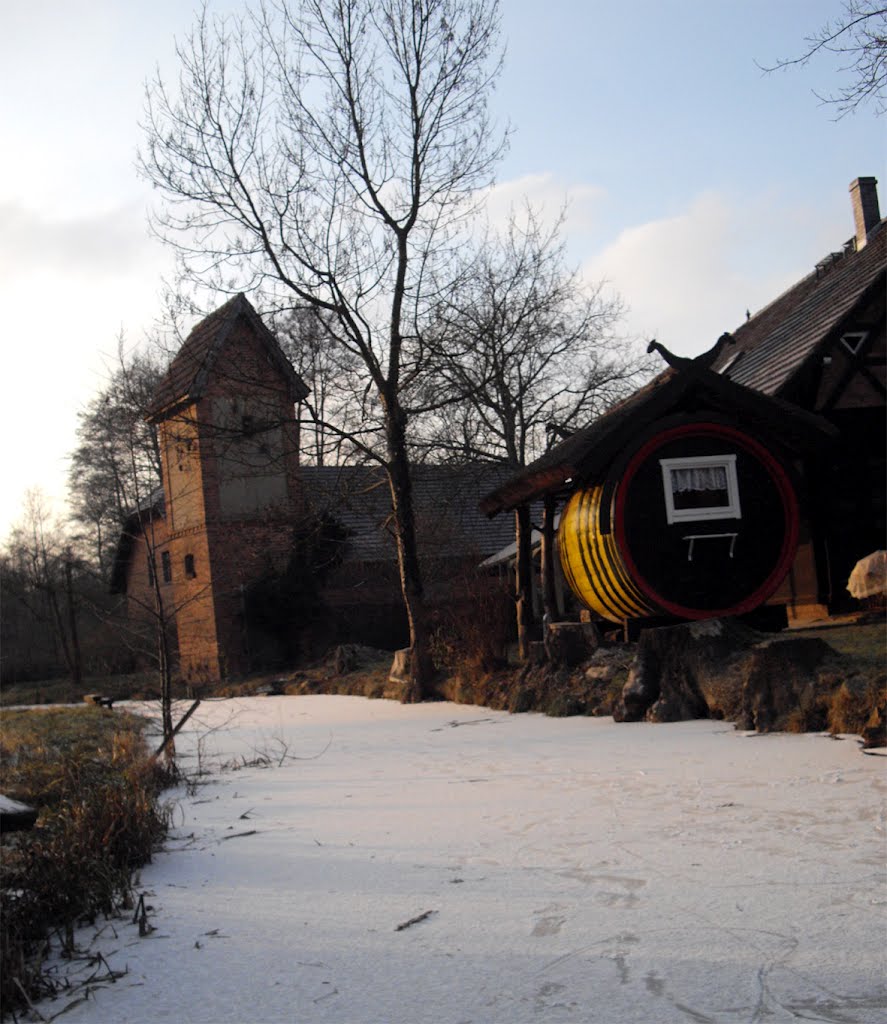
(732, 510)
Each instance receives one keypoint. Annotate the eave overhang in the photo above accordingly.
(587, 453)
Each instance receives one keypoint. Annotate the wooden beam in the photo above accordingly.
(549, 599)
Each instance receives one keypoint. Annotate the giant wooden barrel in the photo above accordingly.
(701, 520)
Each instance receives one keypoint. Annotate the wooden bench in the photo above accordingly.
(99, 699)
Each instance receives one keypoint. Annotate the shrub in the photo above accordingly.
(474, 627)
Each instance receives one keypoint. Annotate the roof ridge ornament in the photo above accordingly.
(703, 361)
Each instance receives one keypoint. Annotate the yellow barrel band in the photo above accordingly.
(592, 564)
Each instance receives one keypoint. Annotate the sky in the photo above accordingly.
(697, 186)
(565, 870)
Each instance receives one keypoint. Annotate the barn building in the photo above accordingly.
(751, 475)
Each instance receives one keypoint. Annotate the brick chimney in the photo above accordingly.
(864, 197)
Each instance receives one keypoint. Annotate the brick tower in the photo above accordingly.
(228, 434)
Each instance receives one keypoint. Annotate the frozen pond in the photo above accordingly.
(571, 870)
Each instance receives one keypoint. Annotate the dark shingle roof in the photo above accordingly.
(187, 376)
(775, 343)
(587, 452)
(446, 502)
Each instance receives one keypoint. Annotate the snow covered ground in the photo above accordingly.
(572, 870)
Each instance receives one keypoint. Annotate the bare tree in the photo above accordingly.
(858, 35)
(524, 350)
(114, 488)
(333, 418)
(117, 459)
(331, 149)
(40, 554)
(534, 352)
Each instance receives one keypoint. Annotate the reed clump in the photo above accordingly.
(101, 815)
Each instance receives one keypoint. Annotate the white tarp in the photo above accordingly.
(869, 576)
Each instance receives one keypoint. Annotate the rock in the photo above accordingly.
(274, 688)
(344, 659)
(874, 734)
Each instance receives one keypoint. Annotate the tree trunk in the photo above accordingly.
(164, 660)
(165, 689)
(52, 598)
(76, 660)
(421, 666)
(523, 573)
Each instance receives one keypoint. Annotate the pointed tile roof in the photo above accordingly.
(186, 379)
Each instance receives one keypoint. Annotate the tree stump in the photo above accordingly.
(536, 653)
(687, 671)
(719, 668)
(569, 644)
(780, 684)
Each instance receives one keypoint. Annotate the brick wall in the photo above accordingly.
(230, 474)
(142, 615)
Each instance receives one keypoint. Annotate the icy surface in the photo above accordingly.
(10, 806)
(575, 870)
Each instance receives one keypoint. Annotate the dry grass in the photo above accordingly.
(89, 773)
(853, 703)
(132, 686)
(862, 645)
(852, 692)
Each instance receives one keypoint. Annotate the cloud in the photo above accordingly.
(687, 278)
(68, 287)
(108, 242)
(548, 195)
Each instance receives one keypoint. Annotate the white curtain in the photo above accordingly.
(700, 478)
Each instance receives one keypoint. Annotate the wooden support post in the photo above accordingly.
(523, 574)
(549, 599)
